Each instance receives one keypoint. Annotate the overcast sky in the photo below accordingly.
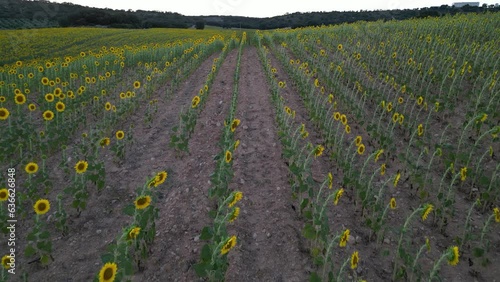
(256, 8)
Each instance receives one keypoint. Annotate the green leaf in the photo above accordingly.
(206, 253)
(314, 277)
(478, 252)
(206, 233)
(309, 232)
(201, 269)
(304, 204)
(129, 210)
(29, 251)
(44, 235)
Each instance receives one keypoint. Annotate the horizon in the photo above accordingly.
(253, 8)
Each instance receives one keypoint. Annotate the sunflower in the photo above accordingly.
(81, 167)
(123, 95)
(2, 99)
(395, 117)
(31, 168)
(104, 142)
(330, 98)
(281, 84)
(4, 114)
(4, 194)
(338, 195)
(234, 214)
(343, 119)
(389, 106)
(336, 115)
(60, 106)
(32, 107)
(305, 134)
(354, 260)
(358, 140)
(463, 173)
(230, 243)
(340, 47)
(236, 144)
(137, 84)
(427, 210)
(401, 119)
(120, 134)
(318, 151)
(392, 203)
(49, 97)
(107, 106)
(108, 272)
(41, 206)
(133, 233)
(20, 99)
(235, 124)
(379, 153)
(453, 256)
(396, 179)
(420, 100)
(382, 169)
(344, 238)
(496, 213)
(330, 180)
(236, 198)
(195, 102)
(6, 261)
(347, 129)
(288, 110)
(142, 202)
(160, 178)
(45, 80)
(228, 156)
(420, 130)
(361, 149)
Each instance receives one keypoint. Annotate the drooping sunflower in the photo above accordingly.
(142, 202)
(288, 110)
(426, 211)
(41, 206)
(4, 194)
(453, 256)
(228, 156)
(195, 102)
(60, 106)
(392, 203)
(133, 233)
(230, 243)
(361, 149)
(108, 272)
(104, 142)
(344, 238)
(6, 261)
(120, 134)
(420, 130)
(20, 99)
(237, 196)
(318, 151)
(496, 213)
(160, 178)
(81, 167)
(31, 168)
(382, 169)
(379, 153)
(338, 195)
(234, 214)
(463, 173)
(4, 114)
(396, 179)
(354, 260)
(330, 180)
(236, 144)
(235, 124)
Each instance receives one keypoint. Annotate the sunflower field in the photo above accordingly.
(356, 152)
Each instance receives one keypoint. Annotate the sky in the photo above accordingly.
(256, 8)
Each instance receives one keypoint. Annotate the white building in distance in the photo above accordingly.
(462, 4)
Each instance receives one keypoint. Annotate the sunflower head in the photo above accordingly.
(48, 115)
(426, 211)
(354, 260)
(81, 167)
(60, 106)
(31, 168)
(228, 156)
(230, 243)
(160, 178)
(234, 214)
(142, 202)
(392, 203)
(104, 142)
(344, 238)
(107, 106)
(4, 194)
(195, 102)
(361, 149)
(338, 195)
(108, 272)
(41, 206)
(463, 173)
(453, 255)
(20, 99)
(236, 197)
(330, 180)
(496, 213)
(133, 233)
(6, 261)
(31, 107)
(235, 124)
(120, 134)
(318, 150)
(4, 114)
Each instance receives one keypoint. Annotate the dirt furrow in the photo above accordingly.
(184, 211)
(270, 247)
